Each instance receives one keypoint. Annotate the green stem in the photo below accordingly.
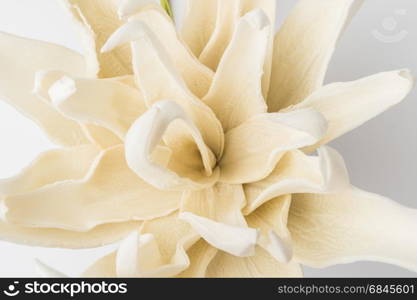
(165, 4)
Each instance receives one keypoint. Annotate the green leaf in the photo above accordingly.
(165, 4)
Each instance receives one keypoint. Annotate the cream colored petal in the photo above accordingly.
(104, 267)
(58, 238)
(17, 80)
(298, 173)
(197, 76)
(103, 102)
(228, 14)
(199, 23)
(303, 48)
(236, 240)
(159, 80)
(352, 225)
(192, 163)
(349, 105)
(47, 272)
(200, 255)
(50, 167)
(271, 219)
(97, 135)
(100, 136)
(261, 265)
(270, 8)
(97, 20)
(159, 250)
(109, 193)
(129, 7)
(238, 80)
(253, 148)
(215, 214)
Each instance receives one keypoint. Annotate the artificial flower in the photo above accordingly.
(192, 148)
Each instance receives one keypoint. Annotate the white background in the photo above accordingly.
(380, 155)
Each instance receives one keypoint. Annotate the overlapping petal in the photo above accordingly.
(109, 193)
(197, 76)
(192, 163)
(17, 79)
(238, 79)
(103, 102)
(96, 20)
(262, 265)
(297, 172)
(253, 148)
(303, 48)
(153, 67)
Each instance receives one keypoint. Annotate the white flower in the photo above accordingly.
(192, 147)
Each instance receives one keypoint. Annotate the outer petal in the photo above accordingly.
(303, 48)
(104, 102)
(197, 76)
(260, 265)
(192, 162)
(97, 20)
(349, 105)
(350, 226)
(109, 193)
(17, 79)
(238, 80)
(253, 148)
(159, 80)
(228, 14)
(199, 23)
(50, 167)
(298, 173)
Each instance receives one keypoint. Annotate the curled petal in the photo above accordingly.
(96, 20)
(303, 48)
(192, 162)
(103, 102)
(350, 226)
(349, 105)
(109, 193)
(197, 76)
(299, 173)
(17, 79)
(199, 22)
(261, 265)
(158, 250)
(154, 66)
(253, 148)
(236, 240)
(238, 80)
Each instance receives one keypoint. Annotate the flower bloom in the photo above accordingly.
(192, 147)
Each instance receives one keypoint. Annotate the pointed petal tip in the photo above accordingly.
(131, 31)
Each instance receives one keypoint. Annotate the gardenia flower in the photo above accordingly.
(192, 147)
